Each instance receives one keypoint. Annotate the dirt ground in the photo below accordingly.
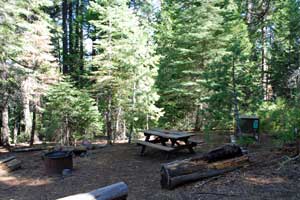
(122, 162)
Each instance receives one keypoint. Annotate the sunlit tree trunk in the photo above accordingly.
(131, 128)
(249, 12)
(124, 129)
(109, 118)
(235, 101)
(109, 96)
(117, 127)
(267, 88)
(16, 127)
(26, 105)
(32, 135)
(5, 128)
(198, 119)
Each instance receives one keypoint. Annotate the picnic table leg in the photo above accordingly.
(189, 146)
(144, 147)
(173, 141)
(191, 149)
(143, 150)
(163, 141)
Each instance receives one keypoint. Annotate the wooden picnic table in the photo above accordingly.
(166, 140)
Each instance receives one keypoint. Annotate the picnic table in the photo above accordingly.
(168, 141)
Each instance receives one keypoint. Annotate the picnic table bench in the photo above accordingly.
(168, 141)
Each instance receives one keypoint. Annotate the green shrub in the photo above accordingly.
(245, 140)
(70, 114)
(280, 118)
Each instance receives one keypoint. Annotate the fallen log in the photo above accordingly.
(11, 165)
(117, 191)
(4, 160)
(27, 149)
(188, 170)
(222, 153)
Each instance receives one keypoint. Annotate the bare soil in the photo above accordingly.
(122, 162)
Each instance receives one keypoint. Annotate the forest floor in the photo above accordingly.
(122, 162)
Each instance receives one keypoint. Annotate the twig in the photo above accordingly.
(209, 180)
(288, 159)
(221, 194)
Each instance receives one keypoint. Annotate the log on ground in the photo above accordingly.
(11, 165)
(6, 159)
(180, 172)
(117, 191)
(27, 149)
(225, 152)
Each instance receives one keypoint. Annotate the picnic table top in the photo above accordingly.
(168, 134)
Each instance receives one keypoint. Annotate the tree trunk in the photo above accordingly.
(249, 13)
(131, 129)
(26, 106)
(65, 35)
(67, 134)
(109, 118)
(5, 127)
(76, 39)
(147, 121)
(32, 135)
(16, 127)
(117, 127)
(81, 51)
(235, 102)
(267, 88)
(198, 119)
(124, 129)
(70, 35)
(109, 97)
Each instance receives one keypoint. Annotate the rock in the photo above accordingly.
(67, 172)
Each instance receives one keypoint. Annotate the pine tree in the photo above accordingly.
(191, 39)
(125, 64)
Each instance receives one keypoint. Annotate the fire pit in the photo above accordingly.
(57, 161)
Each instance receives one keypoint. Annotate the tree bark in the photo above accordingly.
(131, 129)
(16, 127)
(5, 128)
(65, 35)
(198, 119)
(70, 36)
(249, 13)
(26, 105)
(32, 135)
(109, 118)
(235, 102)
(81, 50)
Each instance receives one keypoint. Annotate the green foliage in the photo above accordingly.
(190, 39)
(125, 65)
(69, 110)
(280, 118)
(246, 140)
(235, 75)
